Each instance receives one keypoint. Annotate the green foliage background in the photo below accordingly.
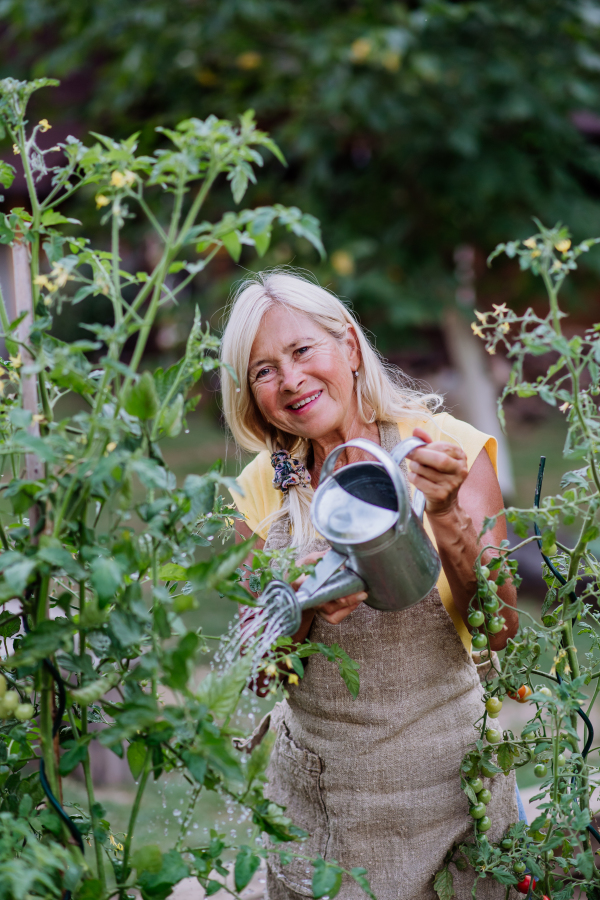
(409, 128)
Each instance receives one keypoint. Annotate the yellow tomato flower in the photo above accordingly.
(491, 351)
(500, 310)
(535, 253)
(16, 360)
(504, 327)
(16, 150)
(293, 679)
(563, 246)
(564, 407)
(271, 670)
(361, 49)
(287, 660)
(117, 179)
(101, 200)
(476, 330)
(129, 177)
(530, 243)
(481, 316)
(60, 276)
(44, 125)
(38, 418)
(110, 447)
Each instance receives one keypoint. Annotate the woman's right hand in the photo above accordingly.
(334, 611)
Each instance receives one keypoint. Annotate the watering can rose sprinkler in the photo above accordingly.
(377, 537)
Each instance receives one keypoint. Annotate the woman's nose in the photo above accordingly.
(291, 378)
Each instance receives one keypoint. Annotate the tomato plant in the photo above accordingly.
(558, 848)
(99, 543)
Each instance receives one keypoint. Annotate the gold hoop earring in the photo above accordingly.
(372, 419)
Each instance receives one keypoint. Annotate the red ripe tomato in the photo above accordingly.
(523, 886)
(522, 695)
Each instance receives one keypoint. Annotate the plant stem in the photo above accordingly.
(134, 814)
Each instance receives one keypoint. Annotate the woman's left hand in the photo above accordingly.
(438, 470)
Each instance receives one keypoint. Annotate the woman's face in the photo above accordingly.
(301, 377)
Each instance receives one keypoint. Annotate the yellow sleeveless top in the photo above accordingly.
(260, 499)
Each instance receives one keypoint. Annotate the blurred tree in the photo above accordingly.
(410, 128)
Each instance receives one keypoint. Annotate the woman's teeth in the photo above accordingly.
(307, 400)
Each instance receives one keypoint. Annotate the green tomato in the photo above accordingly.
(506, 844)
(552, 550)
(496, 624)
(486, 770)
(484, 824)
(493, 706)
(545, 691)
(479, 641)
(484, 796)
(476, 618)
(541, 770)
(2, 685)
(477, 811)
(10, 701)
(476, 784)
(485, 572)
(24, 711)
(562, 759)
(519, 868)
(490, 605)
(493, 587)
(493, 736)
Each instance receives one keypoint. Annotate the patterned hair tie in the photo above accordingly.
(289, 472)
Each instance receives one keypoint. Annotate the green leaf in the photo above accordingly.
(221, 693)
(196, 765)
(443, 884)
(232, 244)
(95, 690)
(172, 572)
(246, 864)
(326, 880)
(360, 876)
(585, 863)
(136, 757)
(7, 174)
(73, 756)
(261, 242)
(171, 418)
(9, 624)
(159, 884)
(90, 890)
(141, 399)
(52, 217)
(105, 578)
(147, 859)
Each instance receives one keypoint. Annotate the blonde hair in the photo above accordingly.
(384, 392)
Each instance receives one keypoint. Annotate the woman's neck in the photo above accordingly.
(322, 447)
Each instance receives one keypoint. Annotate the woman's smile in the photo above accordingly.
(304, 403)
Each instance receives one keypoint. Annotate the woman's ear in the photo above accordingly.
(353, 347)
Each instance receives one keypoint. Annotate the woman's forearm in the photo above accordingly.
(458, 547)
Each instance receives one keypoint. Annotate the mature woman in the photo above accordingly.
(374, 781)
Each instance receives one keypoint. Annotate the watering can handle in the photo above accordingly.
(399, 453)
(383, 457)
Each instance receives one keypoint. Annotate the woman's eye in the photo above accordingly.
(262, 373)
(302, 349)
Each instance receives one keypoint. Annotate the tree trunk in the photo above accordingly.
(477, 391)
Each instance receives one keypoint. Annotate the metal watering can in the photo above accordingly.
(364, 511)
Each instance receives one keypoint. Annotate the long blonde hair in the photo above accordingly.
(384, 392)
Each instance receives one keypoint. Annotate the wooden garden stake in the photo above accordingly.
(24, 304)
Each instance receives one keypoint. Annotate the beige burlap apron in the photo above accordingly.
(375, 781)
